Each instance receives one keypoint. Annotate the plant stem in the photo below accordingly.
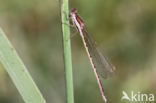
(67, 52)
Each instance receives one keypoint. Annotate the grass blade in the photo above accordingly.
(18, 72)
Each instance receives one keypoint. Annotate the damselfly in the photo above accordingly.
(99, 63)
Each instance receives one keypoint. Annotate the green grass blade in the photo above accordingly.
(18, 72)
(67, 52)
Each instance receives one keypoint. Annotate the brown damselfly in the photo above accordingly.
(99, 63)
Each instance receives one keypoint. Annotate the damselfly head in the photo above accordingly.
(73, 10)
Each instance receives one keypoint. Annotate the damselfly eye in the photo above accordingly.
(74, 10)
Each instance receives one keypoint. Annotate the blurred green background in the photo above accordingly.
(125, 30)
